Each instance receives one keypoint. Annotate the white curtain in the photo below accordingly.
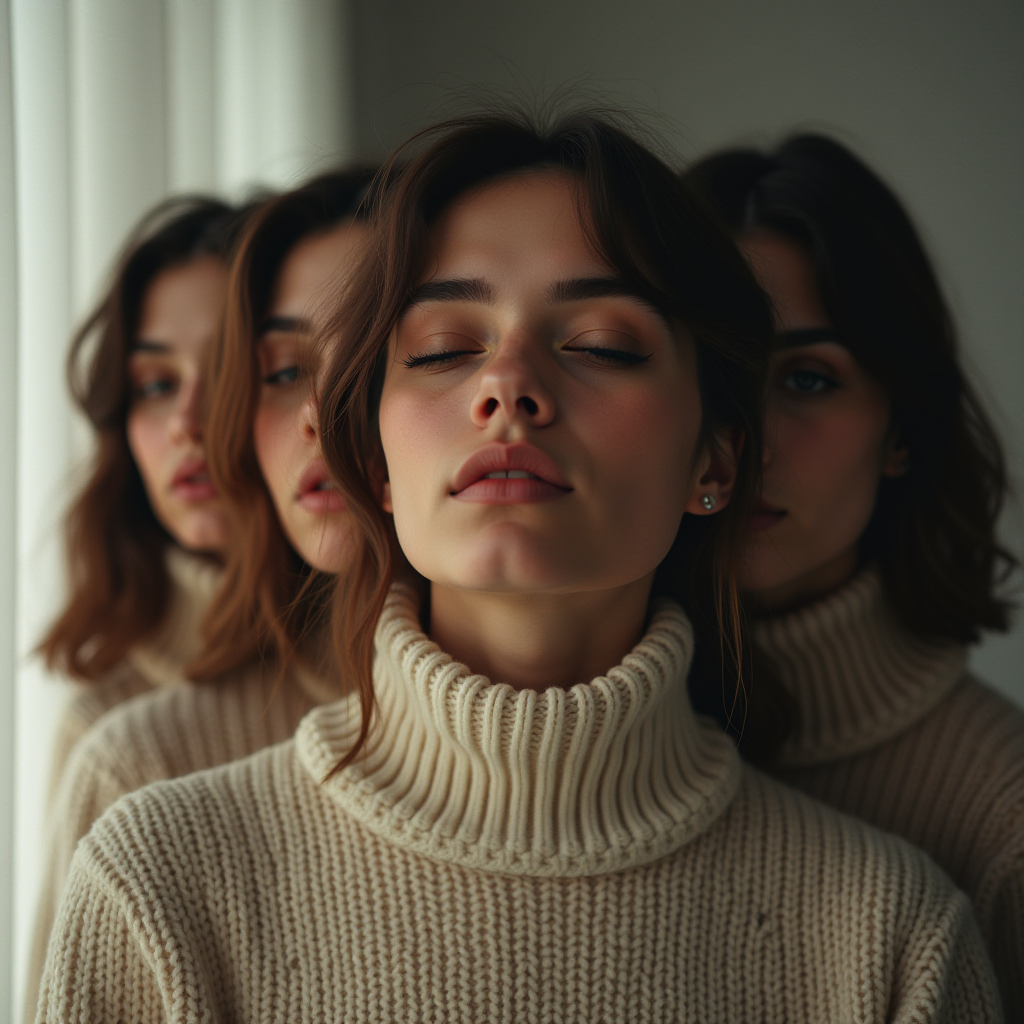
(107, 106)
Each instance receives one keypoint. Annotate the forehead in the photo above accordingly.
(526, 225)
(184, 301)
(786, 273)
(312, 264)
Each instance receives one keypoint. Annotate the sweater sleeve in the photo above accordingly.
(97, 966)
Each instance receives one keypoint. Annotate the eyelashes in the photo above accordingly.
(602, 354)
(616, 356)
(436, 358)
(610, 356)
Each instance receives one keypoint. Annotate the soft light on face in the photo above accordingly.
(540, 423)
(828, 441)
(314, 515)
(180, 317)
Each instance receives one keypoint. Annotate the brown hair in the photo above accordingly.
(644, 223)
(269, 598)
(933, 531)
(114, 543)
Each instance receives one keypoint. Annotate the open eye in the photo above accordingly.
(282, 377)
(808, 382)
(151, 388)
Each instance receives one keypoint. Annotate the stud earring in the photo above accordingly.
(709, 501)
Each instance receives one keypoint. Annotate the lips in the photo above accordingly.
(316, 493)
(764, 517)
(509, 474)
(191, 483)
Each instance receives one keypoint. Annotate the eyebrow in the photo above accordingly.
(466, 289)
(577, 289)
(284, 325)
(805, 336)
(141, 345)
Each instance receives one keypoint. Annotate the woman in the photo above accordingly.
(146, 532)
(548, 358)
(873, 559)
(280, 527)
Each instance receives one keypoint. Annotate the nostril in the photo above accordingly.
(489, 406)
(529, 405)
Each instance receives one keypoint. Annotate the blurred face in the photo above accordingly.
(540, 423)
(180, 317)
(314, 516)
(828, 441)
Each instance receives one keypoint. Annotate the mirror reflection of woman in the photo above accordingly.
(145, 535)
(282, 534)
(873, 558)
(543, 407)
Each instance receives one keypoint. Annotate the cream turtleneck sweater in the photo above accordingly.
(166, 729)
(894, 731)
(158, 662)
(596, 854)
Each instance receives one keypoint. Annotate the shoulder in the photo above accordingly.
(974, 739)
(876, 908)
(86, 705)
(202, 836)
(844, 870)
(89, 702)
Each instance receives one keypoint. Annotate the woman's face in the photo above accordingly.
(828, 441)
(539, 421)
(180, 317)
(314, 515)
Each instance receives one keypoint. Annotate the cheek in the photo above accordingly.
(147, 439)
(415, 434)
(273, 429)
(646, 440)
(830, 464)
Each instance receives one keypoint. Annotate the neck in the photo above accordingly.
(536, 641)
(808, 587)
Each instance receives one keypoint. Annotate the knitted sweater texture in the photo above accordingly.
(158, 662)
(894, 731)
(167, 729)
(597, 854)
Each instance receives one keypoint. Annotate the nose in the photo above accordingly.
(308, 419)
(187, 422)
(511, 388)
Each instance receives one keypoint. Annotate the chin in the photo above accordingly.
(203, 534)
(764, 567)
(328, 551)
(511, 566)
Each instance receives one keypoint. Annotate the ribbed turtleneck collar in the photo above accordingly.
(859, 678)
(608, 775)
(193, 580)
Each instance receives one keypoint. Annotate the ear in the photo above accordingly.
(896, 458)
(385, 497)
(717, 477)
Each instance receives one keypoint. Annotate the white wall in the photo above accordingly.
(116, 103)
(8, 508)
(931, 92)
